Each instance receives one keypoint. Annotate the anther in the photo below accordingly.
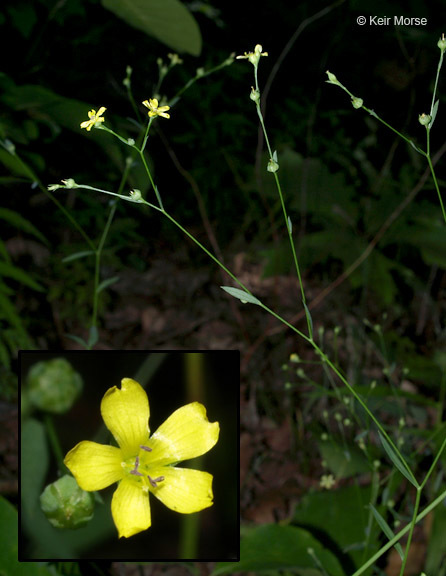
(146, 448)
(153, 481)
(135, 469)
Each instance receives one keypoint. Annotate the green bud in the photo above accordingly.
(357, 102)
(54, 385)
(255, 95)
(136, 195)
(424, 119)
(66, 505)
(69, 183)
(442, 43)
(273, 166)
(332, 78)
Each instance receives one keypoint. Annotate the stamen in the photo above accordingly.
(135, 469)
(146, 448)
(153, 481)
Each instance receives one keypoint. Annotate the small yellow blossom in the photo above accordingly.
(144, 463)
(94, 119)
(174, 59)
(327, 481)
(155, 110)
(254, 57)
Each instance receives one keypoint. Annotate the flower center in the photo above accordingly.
(140, 471)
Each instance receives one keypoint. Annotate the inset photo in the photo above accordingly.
(129, 455)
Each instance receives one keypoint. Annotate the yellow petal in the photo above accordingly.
(130, 508)
(187, 433)
(184, 490)
(126, 414)
(94, 466)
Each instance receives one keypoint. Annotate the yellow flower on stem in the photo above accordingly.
(145, 463)
(254, 57)
(94, 119)
(155, 110)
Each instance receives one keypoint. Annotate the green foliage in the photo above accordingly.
(273, 547)
(167, 20)
(9, 564)
(341, 519)
(13, 332)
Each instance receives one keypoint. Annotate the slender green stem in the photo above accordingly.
(437, 188)
(98, 254)
(55, 444)
(371, 561)
(284, 210)
(200, 75)
(194, 375)
(34, 178)
(440, 63)
(411, 529)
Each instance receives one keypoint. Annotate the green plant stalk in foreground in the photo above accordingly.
(246, 296)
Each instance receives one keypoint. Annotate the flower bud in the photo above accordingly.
(69, 183)
(66, 505)
(54, 385)
(273, 166)
(255, 95)
(357, 102)
(331, 78)
(442, 43)
(424, 119)
(136, 195)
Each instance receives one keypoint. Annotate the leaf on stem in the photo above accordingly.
(78, 255)
(243, 296)
(106, 283)
(398, 460)
(386, 529)
(433, 114)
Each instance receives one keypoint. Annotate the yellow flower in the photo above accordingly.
(254, 57)
(95, 119)
(155, 110)
(327, 481)
(143, 463)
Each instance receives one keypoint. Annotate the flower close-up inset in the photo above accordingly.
(144, 463)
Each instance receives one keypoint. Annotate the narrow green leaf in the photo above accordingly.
(106, 283)
(77, 255)
(387, 530)
(398, 461)
(21, 223)
(433, 114)
(310, 319)
(241, 295)
(78, 340)
(10, 271)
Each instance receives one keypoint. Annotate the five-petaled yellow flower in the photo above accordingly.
(155, 110)
(254, 57)
(144, 463)
(95, 118)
